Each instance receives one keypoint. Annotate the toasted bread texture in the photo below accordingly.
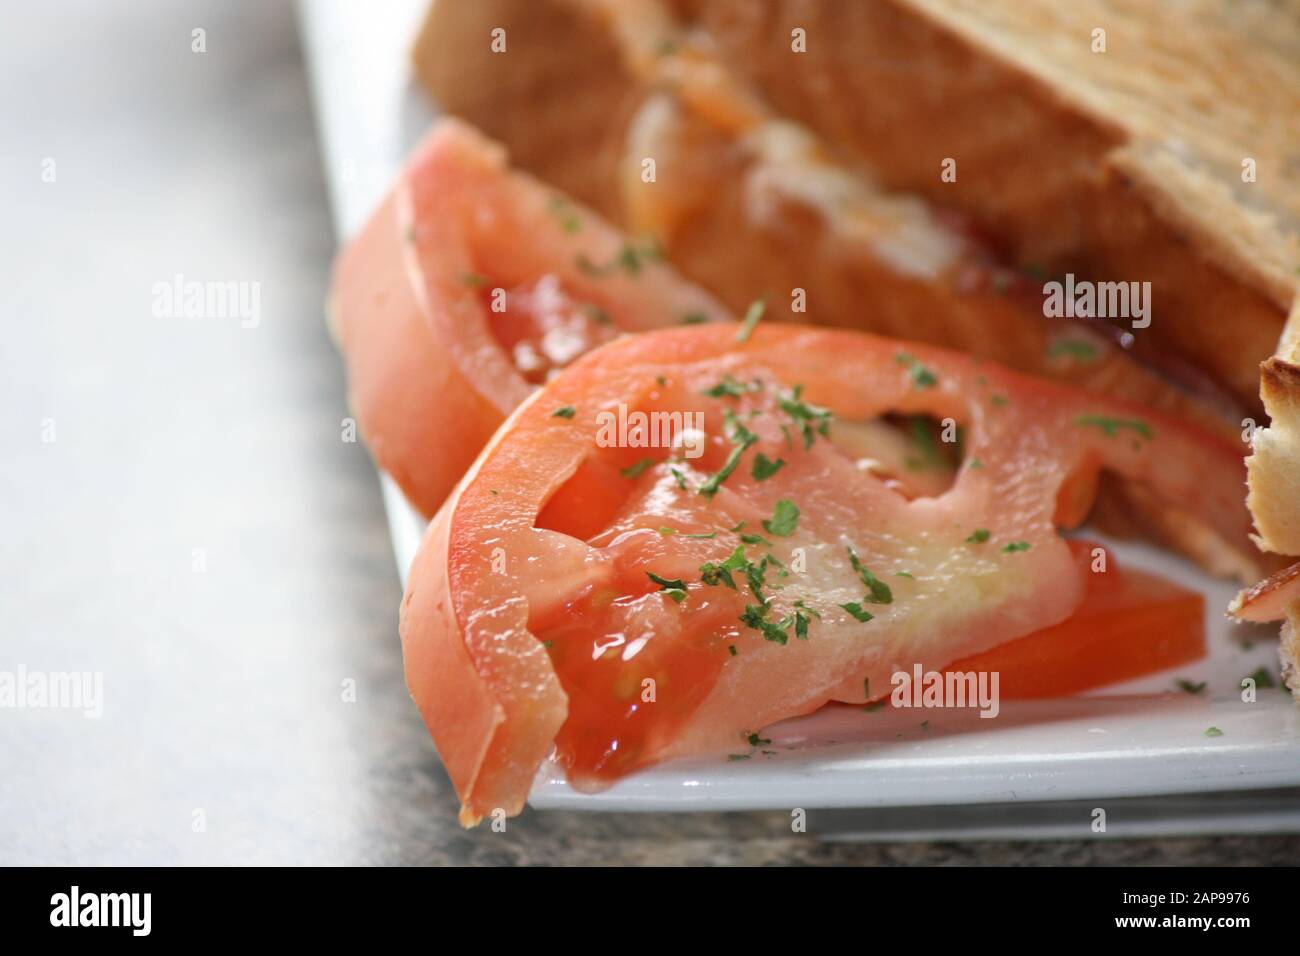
(1151, 141)
(1274, 465)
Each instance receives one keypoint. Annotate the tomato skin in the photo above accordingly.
(1026, 433)
(400, 385)
(429, 366)
(1129, 625)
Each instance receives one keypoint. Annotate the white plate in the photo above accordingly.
(1142, 738)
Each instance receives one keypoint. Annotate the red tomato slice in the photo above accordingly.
(546, 612)
(1130, 624)
(467, 288)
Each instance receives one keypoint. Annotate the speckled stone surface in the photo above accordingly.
(197, 530)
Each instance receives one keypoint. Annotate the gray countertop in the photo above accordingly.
(180, 515)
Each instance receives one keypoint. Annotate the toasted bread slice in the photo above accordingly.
(1160, 148)
(750, 204)
(1274, 465)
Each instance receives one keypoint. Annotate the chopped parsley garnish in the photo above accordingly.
(719, 573)
(637, 469)
(731, 388)
(756, 741)
(802, 614)
(752, 315)
(975, 463)
(922, 377)
(742, 438)
(1082, 351)
(1112, 426)
(669, 532)
(678, 477)
(858, 611)
(569, 221)
(1014, 546)
(755, 539)
(810, 419)
(1263, 678)
(630, 259)
(732, 758)
(564, 411)
(1213, 732)
(675, 588)
(978, 536)
(1189, 687)
(731, 649)
(474, 280)
(765, 468)
(755, 616)
(598, 315)
(785, 518)
(874, 705)
(880, 593)
(694, 318)
(904, 574)
(923, 439)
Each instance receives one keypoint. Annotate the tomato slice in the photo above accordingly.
(706, 592)
(468, 287)
(1130, 624)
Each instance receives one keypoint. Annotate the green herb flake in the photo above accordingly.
(598, 315)
(1213, 732)
(629, 259)
(1014, 546)
(732, 758)
(756, 741)
(678, 477)
(810, 419)
(694, 318)
(1073, 348)
(637, 469)
(752, 316)
(922, 377)
(564, 411)
(675, 588)
(755, 616)
(1190, 687)
(717, 574)
(563, 211)
(978, 536)
(731, 649)
(1112, 426)
(1263, 679)
(742, 438)
(785, 518)
(880, 593)
(729, 387)
(765, 468)
(858, 611)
